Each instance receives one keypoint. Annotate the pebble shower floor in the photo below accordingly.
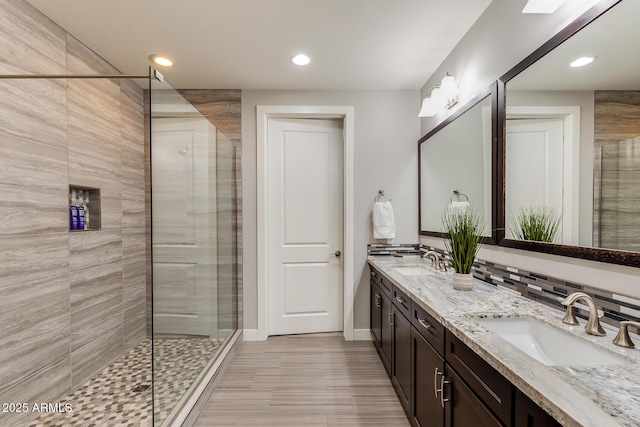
(121, 394)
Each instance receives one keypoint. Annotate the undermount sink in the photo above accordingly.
(548, 345)
(415, 270)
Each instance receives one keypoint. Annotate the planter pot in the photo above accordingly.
(462, 281)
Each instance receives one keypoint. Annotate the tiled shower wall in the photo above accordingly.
(70, 303)
(616, 170)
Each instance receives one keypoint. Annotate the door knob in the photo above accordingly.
(337, 254)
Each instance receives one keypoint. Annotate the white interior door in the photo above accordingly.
(535, 167)
(305, 216)
(184, 226)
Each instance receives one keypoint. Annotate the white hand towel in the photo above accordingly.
(384, 223)
(453, 205)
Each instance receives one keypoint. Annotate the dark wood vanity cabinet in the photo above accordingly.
(528, 414)
(439, 380)
(401, 359)
(427, 402)
(375, 311)
(492, 389)
(381, 326)
(464, 408)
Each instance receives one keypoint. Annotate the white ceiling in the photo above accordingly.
(246, 44)
(611, 39)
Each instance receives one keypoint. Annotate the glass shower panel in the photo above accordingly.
(193, 201)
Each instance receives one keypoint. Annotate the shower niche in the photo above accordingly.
(84, 208)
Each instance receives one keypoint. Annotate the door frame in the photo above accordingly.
(346, 113)
(570, 115)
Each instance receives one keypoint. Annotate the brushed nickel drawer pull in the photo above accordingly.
(424, 323)
(391, 316)
(442, 384)
(378, 300)
(400, 300)
(373, 274)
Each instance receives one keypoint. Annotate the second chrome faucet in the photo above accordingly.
(593, 326)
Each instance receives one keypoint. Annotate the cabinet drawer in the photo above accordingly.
(429, 328)
(374, 275)
(402, 301)
(465, 410)
(386, 286)
(490, 386)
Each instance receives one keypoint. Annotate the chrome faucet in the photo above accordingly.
(436, 261)
(593, 324)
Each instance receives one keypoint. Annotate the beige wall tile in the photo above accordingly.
(94, 248)
(95, 321)
(91, 358)
(33, 210)
(27, 352)
(33, 256)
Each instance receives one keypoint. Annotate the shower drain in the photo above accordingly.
(141, 388)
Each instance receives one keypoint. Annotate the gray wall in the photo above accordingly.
(500, 39)
(386, 157)
(69, 302)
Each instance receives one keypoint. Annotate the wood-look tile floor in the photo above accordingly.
(305, 380)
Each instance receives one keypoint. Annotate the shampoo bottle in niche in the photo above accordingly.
(80, 217)
(87, 224)
(73, 220)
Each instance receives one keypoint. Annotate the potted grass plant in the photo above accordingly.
(463, 228)
(540, 224)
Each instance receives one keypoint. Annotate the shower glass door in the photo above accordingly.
(193, 246)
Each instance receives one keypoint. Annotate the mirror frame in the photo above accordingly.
(611, 256)
(496, 172)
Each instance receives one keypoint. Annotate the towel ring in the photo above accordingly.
(380, 194)
(459, 194)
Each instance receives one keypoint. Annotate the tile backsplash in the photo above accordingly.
(550, 290)
(389, 249)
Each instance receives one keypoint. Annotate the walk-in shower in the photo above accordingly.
(122, 321)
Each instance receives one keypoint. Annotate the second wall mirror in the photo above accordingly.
(572, 141)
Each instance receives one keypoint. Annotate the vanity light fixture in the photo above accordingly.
(443, 96)
(449, 91)
(429, 108)
(582, 61)
(542, 6)
(161, 60)
(300, 59)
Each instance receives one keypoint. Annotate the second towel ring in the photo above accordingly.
(459, 194)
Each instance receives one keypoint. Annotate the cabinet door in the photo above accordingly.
(386, 332)
(427, 368)
(401, 360)
(464, 409)
(376, 318)
(528, 414)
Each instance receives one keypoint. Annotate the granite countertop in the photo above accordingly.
(574, 395)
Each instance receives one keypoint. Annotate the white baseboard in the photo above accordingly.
(250, 335)
(358, 335)
(362, 335)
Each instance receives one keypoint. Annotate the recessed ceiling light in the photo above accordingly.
(542, 6)
(161, 60)
(581, 62)
(300, 59)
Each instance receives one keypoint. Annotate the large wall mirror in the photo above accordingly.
(571, 141)
(456, 164)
